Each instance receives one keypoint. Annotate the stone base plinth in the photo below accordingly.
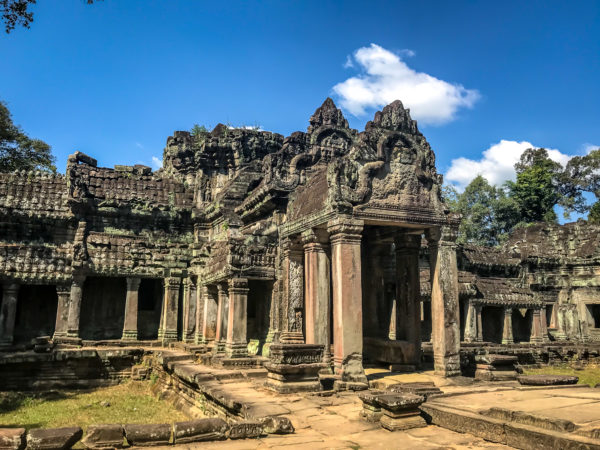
(291, 337)
(167, 336)
(236, 350)
(425, 389)
(294, 367)
(495, 367)
(400, 411)
(371, 411)
(129, 335)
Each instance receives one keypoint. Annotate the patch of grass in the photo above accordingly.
(128, 402)
(589, 374)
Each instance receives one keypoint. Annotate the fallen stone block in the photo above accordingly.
(245, 430)
(491, 367)
(12, 438)
(401, 411)
(103, 436)
(148, 434)
(53, 438)
(210, 429)
(425, 389)
(547, 380)
(277, 425)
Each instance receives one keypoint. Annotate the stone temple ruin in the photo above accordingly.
(330, 247)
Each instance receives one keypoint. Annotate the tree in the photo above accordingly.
(16, 12)
(582, 174)
(198, 129)
(18, 151)
(537, 189)
(488, 214)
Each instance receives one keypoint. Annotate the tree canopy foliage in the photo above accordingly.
(16, 12)
(490, 212)
(20, 152)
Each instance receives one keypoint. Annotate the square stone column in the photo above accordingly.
(189, 309)
(63, 293)
(479, 323)
(507, 329)
(75, 306)
(293, 292)
(222, 317)
(471, 323)
(237, 344)
(539, 328)
(317, 290)
(168, 321)
(444, 301)
(345, 235)
(408, 293)
(209, 303)
(8, 313)
(130, 324)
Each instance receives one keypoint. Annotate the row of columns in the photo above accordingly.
(309, 290)
(474, 325)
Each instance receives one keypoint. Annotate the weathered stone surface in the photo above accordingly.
(12, 438)
(103, 436)
(245, 430)
(53, 438)
(547, 380)
(200, 430)
(277, 425)
(148, 434)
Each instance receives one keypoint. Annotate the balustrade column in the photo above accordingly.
(209, 318)
(63, 293)
(222, 317)
(75, 306)
(444, 301)
(8, 313)
(507, 328)
(237, 344)
(347, 298)
(130, 324)
(168, 329)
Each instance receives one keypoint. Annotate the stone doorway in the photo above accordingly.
(103, 308)
(36, 312)
(149, 308)
(260, 293)
(492, 320)
(593, 315)
(522, 321)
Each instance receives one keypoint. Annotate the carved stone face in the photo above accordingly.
(333, 144)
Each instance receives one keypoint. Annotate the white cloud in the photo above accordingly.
(587, 147)
(138, 145)
(156, 162)
(496, 165)
(386, 78)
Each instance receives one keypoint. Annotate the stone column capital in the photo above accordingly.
(171, 283)
(133, 283)
(345, 227)
(11, 288)
(445, 235)
(78, 280)
(314, 236)
(508, 310)
(63, 289)
(238, 286)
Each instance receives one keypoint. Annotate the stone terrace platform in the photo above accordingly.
(523, 417)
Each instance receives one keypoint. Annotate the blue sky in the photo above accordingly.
(485, 79)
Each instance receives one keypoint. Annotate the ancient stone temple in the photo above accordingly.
(332, 238)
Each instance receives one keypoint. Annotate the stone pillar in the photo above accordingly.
(408, 292)
(478, 309)
(444, 301)
(471, 323)
(130, 325)
(317, 291)
(75, 306)
(539, 330)
(8, 313)
(222, 317)
(209, 317)
(189, 310)
(63, 292)
(347, 298)
(237, 344)
(293, 275)
(168, 329)
(507, 329)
